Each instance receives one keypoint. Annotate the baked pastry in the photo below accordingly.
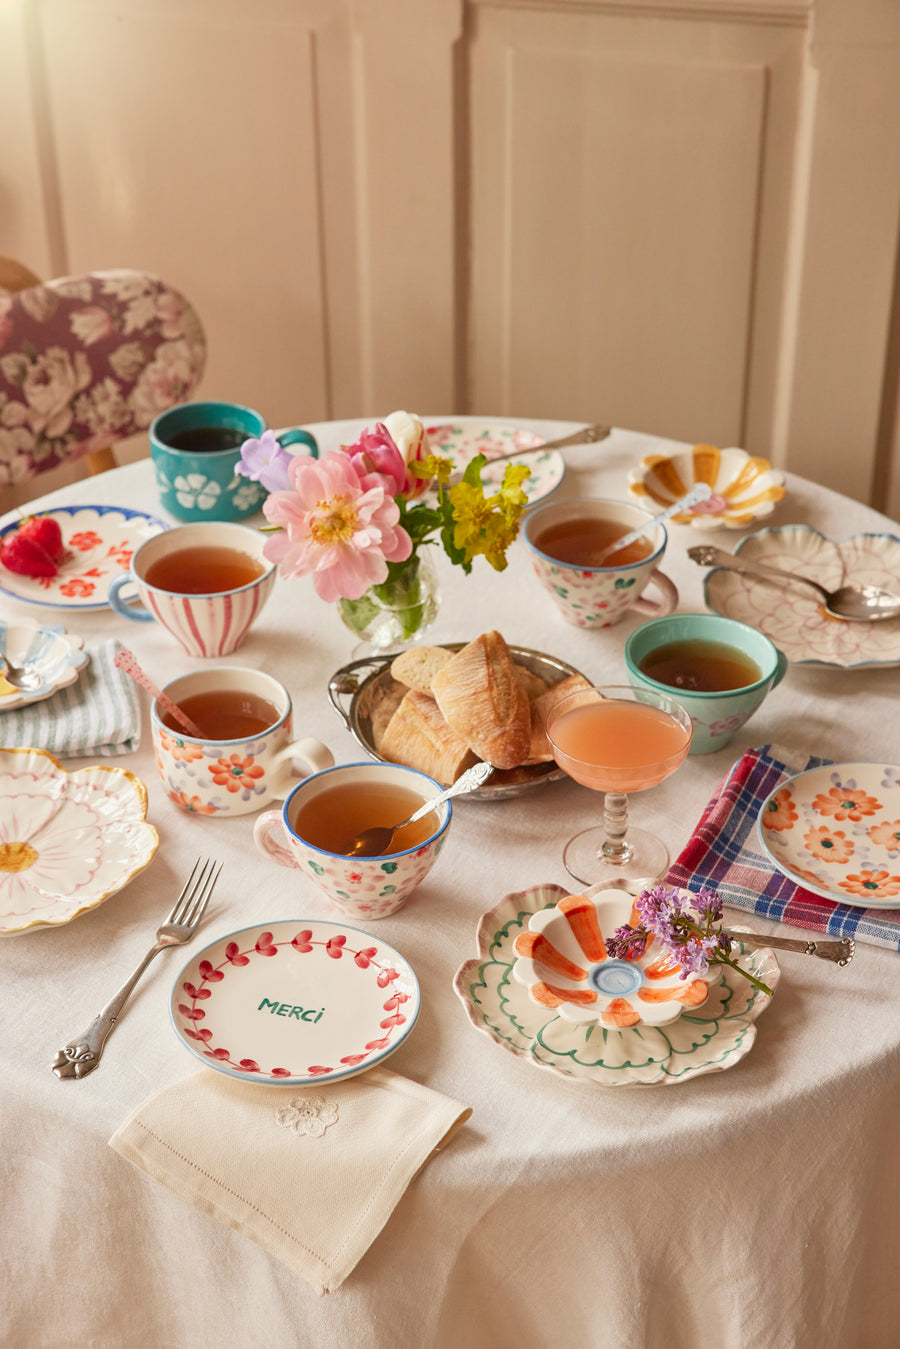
(418, 736)
(417, 667)
(483, 702)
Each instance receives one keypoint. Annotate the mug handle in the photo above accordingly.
(284, 770)
(127, 608)
(658, 608)
(268, 835)
(297, 436)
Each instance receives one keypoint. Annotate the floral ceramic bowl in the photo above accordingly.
(744, 489)
(564, 964)
(67, 840)
(709, 1039)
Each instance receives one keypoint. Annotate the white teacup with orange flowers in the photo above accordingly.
(246, 757)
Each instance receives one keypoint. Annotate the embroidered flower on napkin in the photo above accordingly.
(308, 1115)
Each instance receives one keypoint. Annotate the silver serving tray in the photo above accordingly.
(365, 690)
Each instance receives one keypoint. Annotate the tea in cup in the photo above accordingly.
(326, 811)
(565, 539)
(246, 757)
(720, 671)
(195, 449)
(204, 583)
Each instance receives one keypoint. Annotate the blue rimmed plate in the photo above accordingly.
(99, 543)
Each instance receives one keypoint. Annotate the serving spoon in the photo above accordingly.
(375, 841)
(854, 603)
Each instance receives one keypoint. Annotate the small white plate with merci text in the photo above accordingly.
(294, 1002)
(48, 650)
(99, 541)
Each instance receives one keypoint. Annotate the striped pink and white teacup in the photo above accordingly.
(205, 583)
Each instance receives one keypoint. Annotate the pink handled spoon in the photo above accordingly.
(127, 661)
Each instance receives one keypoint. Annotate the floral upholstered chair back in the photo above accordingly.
(89, 360)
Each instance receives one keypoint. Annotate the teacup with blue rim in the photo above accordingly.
(720, 671)
(195, 449)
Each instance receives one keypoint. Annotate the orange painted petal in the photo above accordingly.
(581, 916)
(666, 475)
(707, 460)
(549, 996)
(662, 968)
(691, 994)
(536, 946)
(619, 1013)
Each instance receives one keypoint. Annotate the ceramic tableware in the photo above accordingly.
(100, 542)
(358, 887)
(856, 602)
(792, 616)
(295, 1002)
(461, 441)
(835, 830)
(55, 656)
(70, 839)
(715, 715)
(195, 449)
(711, 1038)
(209, 624)
(744, 488)
(227, 777)
(598, 597)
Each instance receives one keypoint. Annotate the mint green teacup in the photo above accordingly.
(716, 715)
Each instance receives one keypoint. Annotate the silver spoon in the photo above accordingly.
(20, 676)
(375, 841)
(858, 603)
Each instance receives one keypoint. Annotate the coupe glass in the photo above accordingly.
(617, 740)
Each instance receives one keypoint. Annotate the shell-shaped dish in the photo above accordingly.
(48, 650)
(715, 1036)
(744, 488)
(564, 964)
(68, 840)
(793, 617)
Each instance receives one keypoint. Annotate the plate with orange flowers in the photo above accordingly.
(835, 830)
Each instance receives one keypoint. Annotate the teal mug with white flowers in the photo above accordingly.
(196, 448)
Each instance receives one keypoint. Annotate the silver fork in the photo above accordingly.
(82, 1055)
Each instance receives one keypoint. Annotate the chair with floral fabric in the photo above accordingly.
(86, 361)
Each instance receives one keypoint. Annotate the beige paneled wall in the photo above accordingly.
(681, 215)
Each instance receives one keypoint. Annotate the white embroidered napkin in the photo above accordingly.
(310, 1173)
(99, 714)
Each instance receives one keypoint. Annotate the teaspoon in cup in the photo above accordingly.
(701, 491)
(375, 841)
(854, 603)
(127, 661)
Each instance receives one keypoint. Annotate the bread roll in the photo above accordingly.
(417, 667)
(419, 737)
(532, 683)
(482, 701)
(539, 750)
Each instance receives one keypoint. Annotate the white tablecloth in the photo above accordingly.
(750, 1209)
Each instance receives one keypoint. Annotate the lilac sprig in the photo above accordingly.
(688, 928)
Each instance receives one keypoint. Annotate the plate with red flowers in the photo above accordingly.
(294, 1002)
(835, 830)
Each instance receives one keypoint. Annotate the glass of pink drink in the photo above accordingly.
(617, 740)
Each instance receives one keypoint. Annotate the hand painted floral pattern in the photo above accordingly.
(86, 361)
(778, 812)
(845, 804)
(828, 846)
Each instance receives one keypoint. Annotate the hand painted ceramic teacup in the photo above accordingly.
(359, 887)
(204, 583)
(597, 596)
(702, 649)
(195, 448)
(249, 759)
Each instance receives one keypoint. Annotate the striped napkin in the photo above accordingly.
(725, 854)
(100, 714)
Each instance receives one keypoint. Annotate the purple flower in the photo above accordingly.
(265, 461)
(707, 903)
(627, 943)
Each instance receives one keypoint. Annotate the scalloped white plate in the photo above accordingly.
(295, 1002)
(54, 654)
(461, 441)
(715, 1036)
(99, 541)
(791, 616)
(68, 840)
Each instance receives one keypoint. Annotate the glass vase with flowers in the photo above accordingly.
(361, 520)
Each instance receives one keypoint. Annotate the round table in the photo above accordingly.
(750, 1208)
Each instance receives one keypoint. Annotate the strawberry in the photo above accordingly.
(45, 532)
(22, 555)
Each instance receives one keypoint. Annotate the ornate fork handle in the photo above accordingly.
(81, 1055)
(838, 952)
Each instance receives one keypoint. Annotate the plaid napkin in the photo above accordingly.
(725, 854)
(99, 714)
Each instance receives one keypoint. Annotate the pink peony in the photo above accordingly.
(336, 525)
(375, 452)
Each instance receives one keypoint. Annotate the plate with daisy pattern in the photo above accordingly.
(835, 830)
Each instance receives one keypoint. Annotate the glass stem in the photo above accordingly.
(615, 825)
